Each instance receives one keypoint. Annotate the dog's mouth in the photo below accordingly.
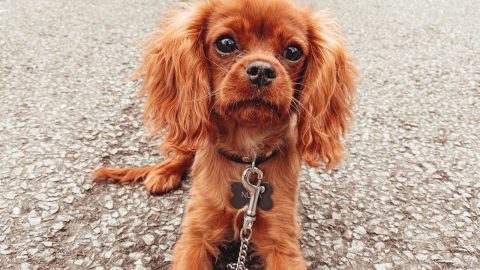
(254, 104)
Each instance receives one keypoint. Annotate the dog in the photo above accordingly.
(231, 82)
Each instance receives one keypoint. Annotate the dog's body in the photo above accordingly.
(248, 78)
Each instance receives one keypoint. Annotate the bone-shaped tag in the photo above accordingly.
(241, 197)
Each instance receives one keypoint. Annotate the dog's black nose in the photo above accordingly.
(260, 73)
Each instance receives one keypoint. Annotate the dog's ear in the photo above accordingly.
(176, 81)
(326, 95)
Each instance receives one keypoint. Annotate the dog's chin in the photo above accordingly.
(254, 112)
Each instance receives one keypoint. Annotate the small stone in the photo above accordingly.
(422, 257)
(109, 205)
(357, 246)
(34, 220)
(10, 195)
(16, 211)
(337, 244)
(379, 246)
(32, 251)
(4, 204)
(127, 244)
(169, 228)
(139, 267)
(168, 257)
(108, 254)
(359, 232)
(69, 199)
(383, 266)
(380, 231)
(309, 253)
(76, 190)
(409, 254)
(136, 255)
(148, 239)
(40, 197)
(58, 226)
(53, 208)
(336, 216)
(122, 211)
(167, 204)
(4, 250)
(25, 266)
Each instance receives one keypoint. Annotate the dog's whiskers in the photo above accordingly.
(211, 94)
(216, 64)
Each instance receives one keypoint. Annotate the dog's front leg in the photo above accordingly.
(204, 229)
(277, 243)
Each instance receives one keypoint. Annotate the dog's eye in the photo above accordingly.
(226, 45)
(292, 53)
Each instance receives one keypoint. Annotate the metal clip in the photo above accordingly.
(254, 190)
(250, 215)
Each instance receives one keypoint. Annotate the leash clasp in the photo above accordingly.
(254, 190)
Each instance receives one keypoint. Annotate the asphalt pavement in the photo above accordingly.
(407, 195)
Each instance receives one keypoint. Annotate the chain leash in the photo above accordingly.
(250, 215)
(242, 254)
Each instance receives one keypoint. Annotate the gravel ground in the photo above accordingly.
(406, 197)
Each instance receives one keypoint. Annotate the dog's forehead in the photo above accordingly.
(264, 18)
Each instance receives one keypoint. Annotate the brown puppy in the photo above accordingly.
(243, 78)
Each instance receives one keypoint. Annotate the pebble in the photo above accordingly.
(148, 239)
(109, 205)
(32, 251)
(359, 232)
(69, 199)
(168, 257)
(422, 257)
(9, 195)
(379, 246)
(34, 220)
(383, 266)
(16, 211)
(139, 267)
(136, 255)
(25, 266)
(58, 226)
(356, 246)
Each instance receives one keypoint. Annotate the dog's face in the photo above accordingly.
(256, 56)
(254, 63)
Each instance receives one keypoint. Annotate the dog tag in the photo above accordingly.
(241, 197)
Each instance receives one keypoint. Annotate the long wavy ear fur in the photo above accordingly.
(176, 81)
(327, 93)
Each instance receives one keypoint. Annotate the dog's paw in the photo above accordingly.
(160, 182)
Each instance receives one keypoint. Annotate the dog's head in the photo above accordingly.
(254, 63)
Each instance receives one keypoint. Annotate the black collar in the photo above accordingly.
(247, 160)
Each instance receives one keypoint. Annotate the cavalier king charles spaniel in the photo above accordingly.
(229, 82)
